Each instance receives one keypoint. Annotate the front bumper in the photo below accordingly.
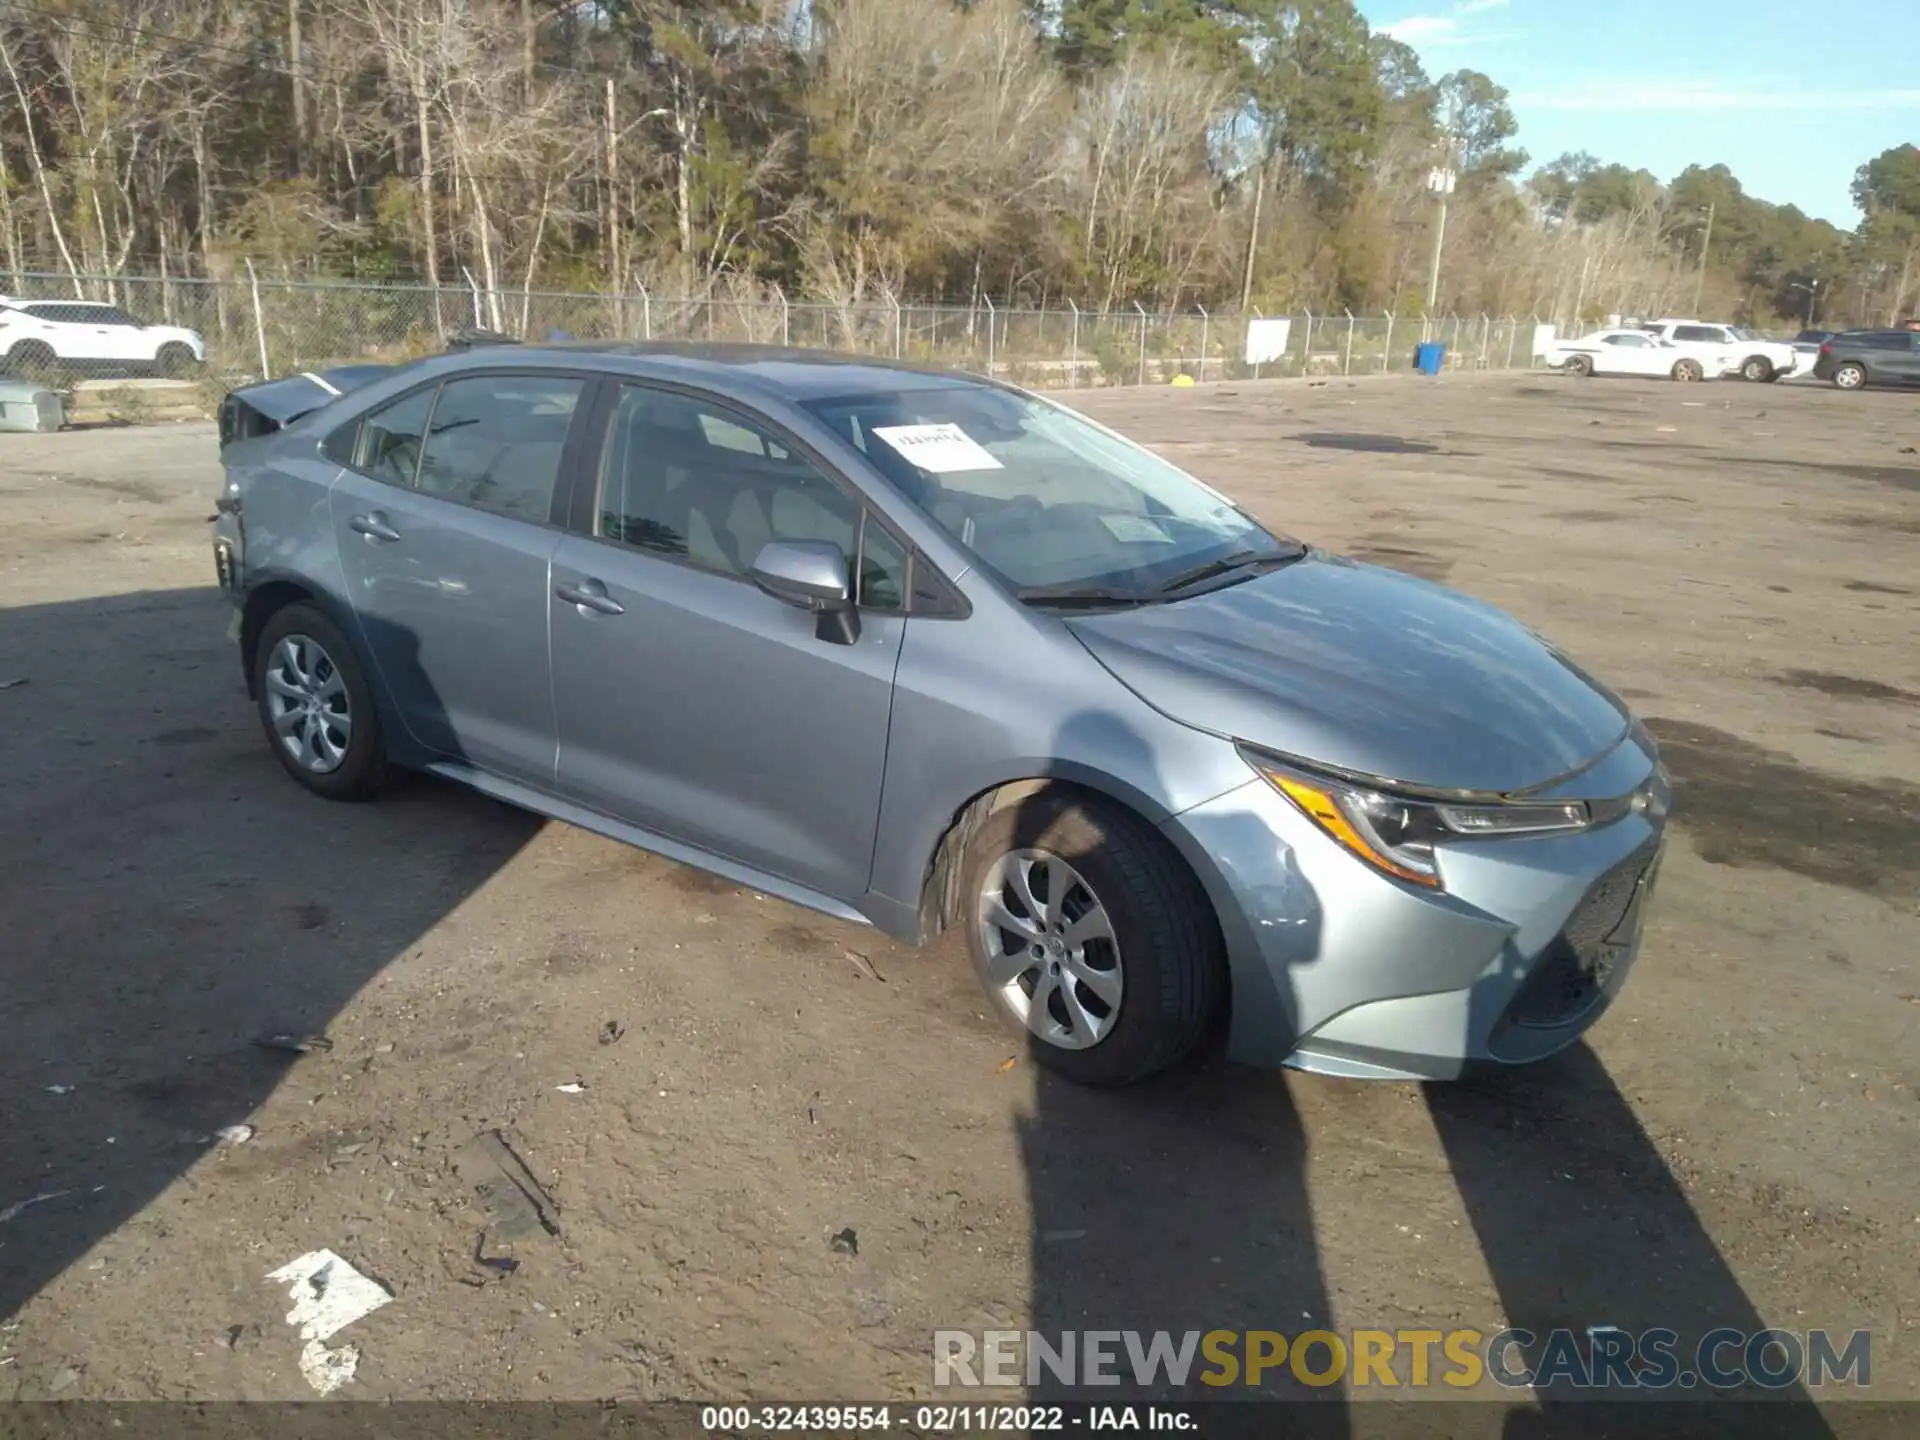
(1338, 969)
(229, 552)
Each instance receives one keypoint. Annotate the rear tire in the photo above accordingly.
(1161, 954)
(1850, 376)
(33, 359)
(316, 707)
(1579, 366)
(1687, 371)
(175, 360)
(1757, 368)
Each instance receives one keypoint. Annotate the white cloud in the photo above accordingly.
(1417, 27)
(1437, 29)
(1708, 95)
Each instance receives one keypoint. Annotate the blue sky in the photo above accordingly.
(1792, 95)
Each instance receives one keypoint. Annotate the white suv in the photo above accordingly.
(1753, 356)
(86, 334)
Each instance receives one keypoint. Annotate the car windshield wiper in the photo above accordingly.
(1225, 565)
(1080, 595)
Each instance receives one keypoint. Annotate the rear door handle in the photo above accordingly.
(374, 526)
(590, 595)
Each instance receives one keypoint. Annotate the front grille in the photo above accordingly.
(1573, 972)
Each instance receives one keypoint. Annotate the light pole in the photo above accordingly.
(1440, 181)
(1813, 289)
(1700, 285)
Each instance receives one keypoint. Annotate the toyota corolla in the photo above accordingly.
(930, 653)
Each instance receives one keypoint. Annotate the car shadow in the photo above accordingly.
(1583, 1226)
(171, 898)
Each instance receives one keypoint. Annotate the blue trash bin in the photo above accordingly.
(1428, 358)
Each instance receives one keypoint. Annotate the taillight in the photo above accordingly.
(1826, 347)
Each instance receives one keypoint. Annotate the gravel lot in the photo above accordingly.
(1738, 1141)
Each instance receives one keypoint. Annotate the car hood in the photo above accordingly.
(1363, 669)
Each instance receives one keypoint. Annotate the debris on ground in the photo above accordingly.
(295, 1044)
(68, 1377)
(498, 1264)
(232, 1135)
(13, 1211)
(59, 1089)
(1060, 1237)
(17, 680)
(572, 1087)
(864, 965)
(515, 1202)
(846, 1242)
(611, 1031)
(328, 1295)
(1007, 1064)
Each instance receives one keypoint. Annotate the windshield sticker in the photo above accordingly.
(942, 449)
(1135, 529)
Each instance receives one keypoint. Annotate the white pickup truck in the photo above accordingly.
(1751, 356)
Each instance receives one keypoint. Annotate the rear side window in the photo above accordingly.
(341, 445)
(390, 449)
(494, 442)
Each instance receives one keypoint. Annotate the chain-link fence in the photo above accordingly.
(261, 326)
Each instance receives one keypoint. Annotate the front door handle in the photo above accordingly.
(590, 595)
(374, 527)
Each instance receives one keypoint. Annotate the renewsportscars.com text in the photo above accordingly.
(1601, 1357)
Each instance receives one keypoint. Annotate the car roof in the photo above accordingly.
(791, 374)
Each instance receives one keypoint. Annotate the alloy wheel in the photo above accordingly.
(308, 704)
(1051, 958)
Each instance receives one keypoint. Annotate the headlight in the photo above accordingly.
(1397, 834)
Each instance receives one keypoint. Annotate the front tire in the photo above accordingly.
(175, 361)
(316, 707)
(1850, 376)
(1758, 369)
(1091, 934)
(1687, 371)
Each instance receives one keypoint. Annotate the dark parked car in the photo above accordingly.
(1855, 359)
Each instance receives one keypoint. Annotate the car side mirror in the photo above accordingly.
(811, 575)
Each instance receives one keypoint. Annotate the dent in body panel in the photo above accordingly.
(1314, 936)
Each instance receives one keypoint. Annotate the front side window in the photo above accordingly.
(1698, 332)
(494, 442)
(1043, 499)
(1631, 342)
(114, 315)
(683, 477)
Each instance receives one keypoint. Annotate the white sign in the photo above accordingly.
(1135, 530)
(943, 449)
(1543, 336)
(1267, 340)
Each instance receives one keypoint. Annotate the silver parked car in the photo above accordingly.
(926, 652)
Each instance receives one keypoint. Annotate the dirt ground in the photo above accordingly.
(1737, 1143)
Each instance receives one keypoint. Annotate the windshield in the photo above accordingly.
(1044, 499)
